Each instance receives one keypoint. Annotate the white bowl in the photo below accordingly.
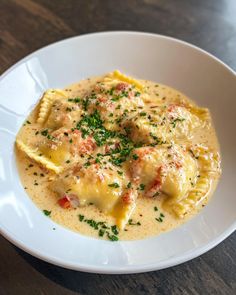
(196, 73)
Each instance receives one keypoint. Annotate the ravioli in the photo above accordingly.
(163, 124)
(167, 169)
(94, 185)
(117, 142)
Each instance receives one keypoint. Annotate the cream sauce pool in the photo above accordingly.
(145, 217)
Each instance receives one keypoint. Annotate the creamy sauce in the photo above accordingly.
(148, 211)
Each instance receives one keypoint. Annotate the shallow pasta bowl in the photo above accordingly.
(187, 68)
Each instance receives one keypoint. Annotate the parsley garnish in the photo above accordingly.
(129, 185)
(114, 229)
(114, 184)
(44, 132)
(142, 186)
(75, 100)
(102, 228)
(101, 232)
(112, 238)
(142, 114)
(176, 120)
(135, 156)
(85, 103)
(46, 212)
(81, 217)
(130, 222)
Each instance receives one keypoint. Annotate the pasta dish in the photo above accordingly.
(118, 158)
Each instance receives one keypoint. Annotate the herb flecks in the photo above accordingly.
(114, 184)
(74, 100)
(161, 216)
(177, 120)
(131, 222)
(102, 227)
(46, 212)
(141, 187)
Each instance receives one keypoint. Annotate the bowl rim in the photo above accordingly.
(104, 269)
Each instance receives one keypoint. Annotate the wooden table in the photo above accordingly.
(27, 25)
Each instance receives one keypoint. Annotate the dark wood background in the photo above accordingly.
(26, 25)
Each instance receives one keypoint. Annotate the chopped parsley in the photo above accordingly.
(87, 164)
(142, 114)
(131, 222)
(160, 218)
(114, 184)
(44, 132)
(176, 120)
(135, 156)
(112, 238)
(129, 185)
(75, 100)
(46, 212)
(114, 229)
(141, 187)
(101, 232)
(81, 217)
(102, 228)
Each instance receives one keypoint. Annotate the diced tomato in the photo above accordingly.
(64, 202)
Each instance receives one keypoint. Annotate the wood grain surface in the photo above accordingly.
(26, 25)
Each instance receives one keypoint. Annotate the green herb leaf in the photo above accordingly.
(135, 156)
(44, 132)
(114, 230)
(142, 186)
(112, 238)
(129, 185)
(81, 217)
(130, 222)
(46, 212)
(114, 184)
